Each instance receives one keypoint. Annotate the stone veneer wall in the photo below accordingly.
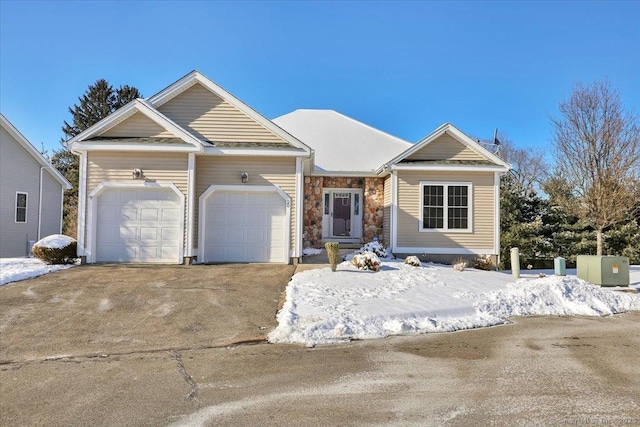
(373, 212)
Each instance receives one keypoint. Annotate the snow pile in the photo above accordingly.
(324, 307)
(14, 269)
(557, 296)
(311, 251)
(55, 241)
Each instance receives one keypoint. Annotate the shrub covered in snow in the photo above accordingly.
(56, 249)
(375, 247)
(366, 261)
(333, 252)
(484, 262)
(413, 260)
(459, 264)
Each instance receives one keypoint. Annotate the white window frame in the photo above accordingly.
(446, 185)
(26, 207)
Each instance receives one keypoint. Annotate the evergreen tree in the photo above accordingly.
(98, 102)
(521, 223)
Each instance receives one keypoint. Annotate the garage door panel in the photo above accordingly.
(127, 214)
(138, 225)
(170, 214)
(245, 226)
(170, 234)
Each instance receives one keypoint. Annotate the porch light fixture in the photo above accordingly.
(137, 174)
(244, 176)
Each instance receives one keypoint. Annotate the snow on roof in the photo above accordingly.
(341, 143)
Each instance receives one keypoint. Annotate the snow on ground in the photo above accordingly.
(311, 251)
(14, 269)
(324, 307)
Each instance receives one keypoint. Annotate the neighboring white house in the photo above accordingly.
(31, 193)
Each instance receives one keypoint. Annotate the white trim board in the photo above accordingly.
(443, 251)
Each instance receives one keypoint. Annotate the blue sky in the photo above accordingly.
(402, 67)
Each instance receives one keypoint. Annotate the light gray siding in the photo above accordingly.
(51, 219)
(19, 171)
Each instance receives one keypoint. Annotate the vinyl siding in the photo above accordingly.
(210, 117)
(386, 220)
(118, 167)
(51, 205)
(215, 170)
(409, 206)
(446, 147)
(19, 171)
(138, 125)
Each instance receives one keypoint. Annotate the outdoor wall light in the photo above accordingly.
(244, 176)
(137, 174)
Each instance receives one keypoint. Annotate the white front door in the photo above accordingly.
(342, 219)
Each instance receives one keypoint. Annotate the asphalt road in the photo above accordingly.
(143, 371)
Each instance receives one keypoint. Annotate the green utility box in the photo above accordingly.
(604, 270)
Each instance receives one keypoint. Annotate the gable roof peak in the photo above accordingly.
(33, 151)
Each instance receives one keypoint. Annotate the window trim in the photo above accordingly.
(25, 207)
(446, 185)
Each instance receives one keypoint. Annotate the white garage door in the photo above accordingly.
(138, 225)
(245, 227)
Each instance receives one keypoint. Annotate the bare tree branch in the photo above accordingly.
(598, 152)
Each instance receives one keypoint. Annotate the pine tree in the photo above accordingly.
(98, 102)
(521, 223)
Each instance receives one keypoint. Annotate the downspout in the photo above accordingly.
(40, 204)
(191, 194)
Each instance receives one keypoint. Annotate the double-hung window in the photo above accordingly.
(446, 206)
(21, 207)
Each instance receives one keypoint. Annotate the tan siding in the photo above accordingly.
(445, 147)
(386, 220)
(226, 170)
(156, 167)
(214, 119)
(409, 205)
(139, 126)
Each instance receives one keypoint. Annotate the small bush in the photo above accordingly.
(412, 260)
(366, 261)
(460, 264)
(484, 262)
(50, 255)
(333, 253)
(375, 247)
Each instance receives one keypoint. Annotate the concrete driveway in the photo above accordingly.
(153, 346)
(119, 309)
